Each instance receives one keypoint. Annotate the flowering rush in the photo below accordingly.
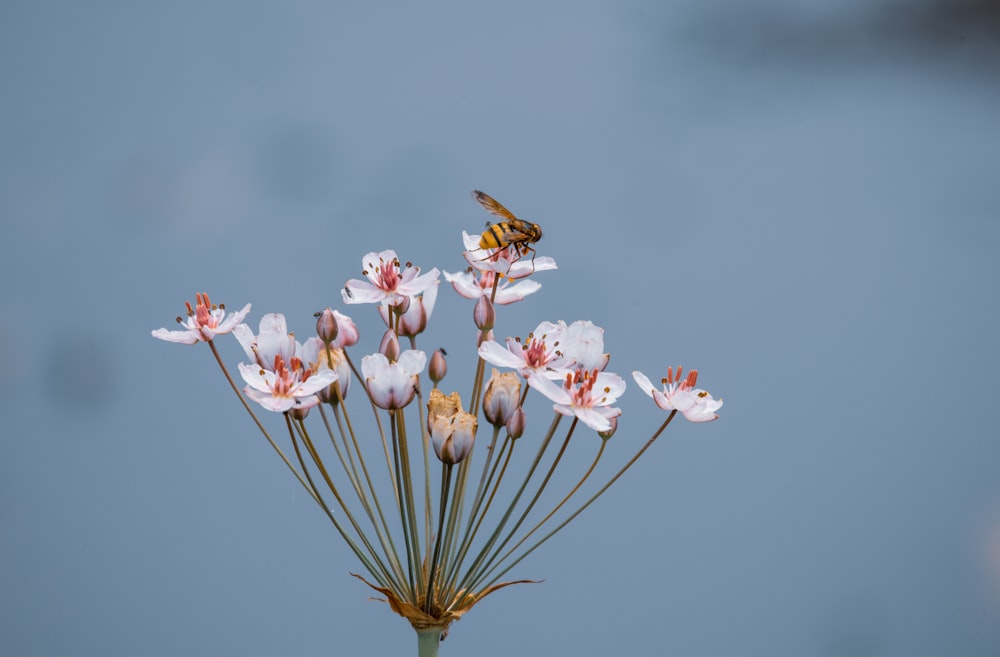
(435, 521)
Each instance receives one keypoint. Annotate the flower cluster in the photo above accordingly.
(433, 556)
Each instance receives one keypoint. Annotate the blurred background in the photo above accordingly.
(800, 199)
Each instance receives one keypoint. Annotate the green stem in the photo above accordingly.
(428, 640)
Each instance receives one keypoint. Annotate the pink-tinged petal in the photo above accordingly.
(594, 419)
(256, 377)
(494, 354)
(526, 266)
(644, 383)
(471, 242)
(465, 284)
(516, 292)
(316, 382)
(418, 284)
(611, 386)
(412, 361)
(180, 337)
(547, 387)
(232, 320)
(244, 335)
(358, 291)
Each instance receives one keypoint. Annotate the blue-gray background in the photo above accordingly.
(798, 198)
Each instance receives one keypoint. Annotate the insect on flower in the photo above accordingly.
(511, 232)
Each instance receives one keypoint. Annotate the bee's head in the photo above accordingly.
(537, 230)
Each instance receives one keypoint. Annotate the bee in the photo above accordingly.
(511, 232)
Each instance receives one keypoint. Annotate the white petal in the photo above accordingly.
(494, 354)
(412, 361)
(182, 337)
(362, 292)
(556, 393)
(644, 383)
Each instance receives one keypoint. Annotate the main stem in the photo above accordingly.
(428, 640)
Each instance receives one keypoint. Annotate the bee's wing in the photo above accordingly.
(493, 206)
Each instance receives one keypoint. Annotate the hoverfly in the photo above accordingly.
(511, 232)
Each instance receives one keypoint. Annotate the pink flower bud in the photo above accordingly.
(298, 413)
(438, 367)
(515, 424)
(484, 314)
(347, 331)
(326, 326)
(390, 346)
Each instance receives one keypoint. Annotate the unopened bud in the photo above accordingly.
(298, 413)
(390, 346)
(453, 438)
(401, 306)
(438, 366)
(515, 423)
(503, 393)
(326, 326)
(484, 314)
(607, 433)
(347, 330)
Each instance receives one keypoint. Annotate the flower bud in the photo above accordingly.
(609, 432)
(515, 424)
(336, 360)
(484, 314)
(438, 367)
(452, 430)
(453, 438)
(298, 413)
(390, 346)
(347, 331)
(502, 396)
(326, 326)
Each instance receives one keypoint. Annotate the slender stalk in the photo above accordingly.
(426, 443)
(445, 485)
(350, 542)
(239, 395)
(307, 441)
(588, 502)
(510, 509)
(551, 513)
(414, 535)
(524, 514)
(391, 553)
(411, 565)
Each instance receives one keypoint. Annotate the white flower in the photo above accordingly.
(285, 387)
(539, 352)
(467, 284)
(392, 385)
(388, 283)
(272, 340)
(203, 322)
(679, 394)
(586, 394)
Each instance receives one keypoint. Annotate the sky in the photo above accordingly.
(796, 198)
